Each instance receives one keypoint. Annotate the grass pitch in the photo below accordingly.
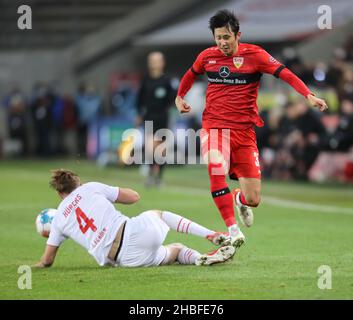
(297, 229)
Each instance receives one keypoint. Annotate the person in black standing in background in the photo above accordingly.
(155, 96)
(41, 109)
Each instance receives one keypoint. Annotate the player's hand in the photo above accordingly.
(39, 265)
(181, 104)
(317, 102)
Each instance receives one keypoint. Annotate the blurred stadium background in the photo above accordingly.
(87, 57)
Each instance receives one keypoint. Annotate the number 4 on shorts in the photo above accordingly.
(80, 215)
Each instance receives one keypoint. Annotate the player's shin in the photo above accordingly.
(221, 194)
(184, 225)
(188, 256)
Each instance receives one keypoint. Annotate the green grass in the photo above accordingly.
(283, 252)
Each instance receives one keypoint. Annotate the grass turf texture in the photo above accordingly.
(280, 259)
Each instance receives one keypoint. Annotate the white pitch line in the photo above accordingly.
(305, 205)
(272, 201)
(282, 203)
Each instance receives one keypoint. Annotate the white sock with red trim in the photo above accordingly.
(188, 256)
(183, 225)
(233, 230)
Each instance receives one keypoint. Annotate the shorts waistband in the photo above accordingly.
(117, 243)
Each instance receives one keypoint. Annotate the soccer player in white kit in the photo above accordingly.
(87, 216)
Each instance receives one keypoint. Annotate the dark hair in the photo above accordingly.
(224, 18)
(64, 181)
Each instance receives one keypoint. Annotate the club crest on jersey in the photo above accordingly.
(238, 62)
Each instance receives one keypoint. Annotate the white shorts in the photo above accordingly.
(143, 241)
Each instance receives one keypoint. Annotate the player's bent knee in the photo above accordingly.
(173, 250)
(176, 245)
(254, 200)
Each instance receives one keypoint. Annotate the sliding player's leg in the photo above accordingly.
(183, 225)
(150, 232)
(177, 252)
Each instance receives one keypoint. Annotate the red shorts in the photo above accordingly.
(237, 147)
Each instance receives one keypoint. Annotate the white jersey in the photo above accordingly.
(88, 217)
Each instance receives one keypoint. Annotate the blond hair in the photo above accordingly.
(64, 181)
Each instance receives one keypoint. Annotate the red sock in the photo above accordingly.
(221, 194)
(242, 199)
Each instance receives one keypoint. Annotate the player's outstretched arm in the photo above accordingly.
(48, 257)
(127, 196)
(296, 83)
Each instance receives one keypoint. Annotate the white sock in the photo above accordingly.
(237, 200)
(183, 225)
(233, 230)
(188, 256)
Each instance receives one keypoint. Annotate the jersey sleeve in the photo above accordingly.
(190, 75)
(268, 64)
(186, 83)
(198, 66)
(109, 192)
(56, 237)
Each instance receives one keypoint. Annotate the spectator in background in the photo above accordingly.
(17, 124)
(88, 104)
(336, 68)
(58, 125)
(268, 138)
(11, 121)
(41, 109)
(154, 99)
(348, 47)
(14, 91)
(64, 125)
(302, 136)
(342, 138)
(123, 99)
(70, 124)
(345, 86)
(267, 135)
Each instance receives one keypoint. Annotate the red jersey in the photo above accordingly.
(233, 83)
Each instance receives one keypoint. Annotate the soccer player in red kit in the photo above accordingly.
(234, 70)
